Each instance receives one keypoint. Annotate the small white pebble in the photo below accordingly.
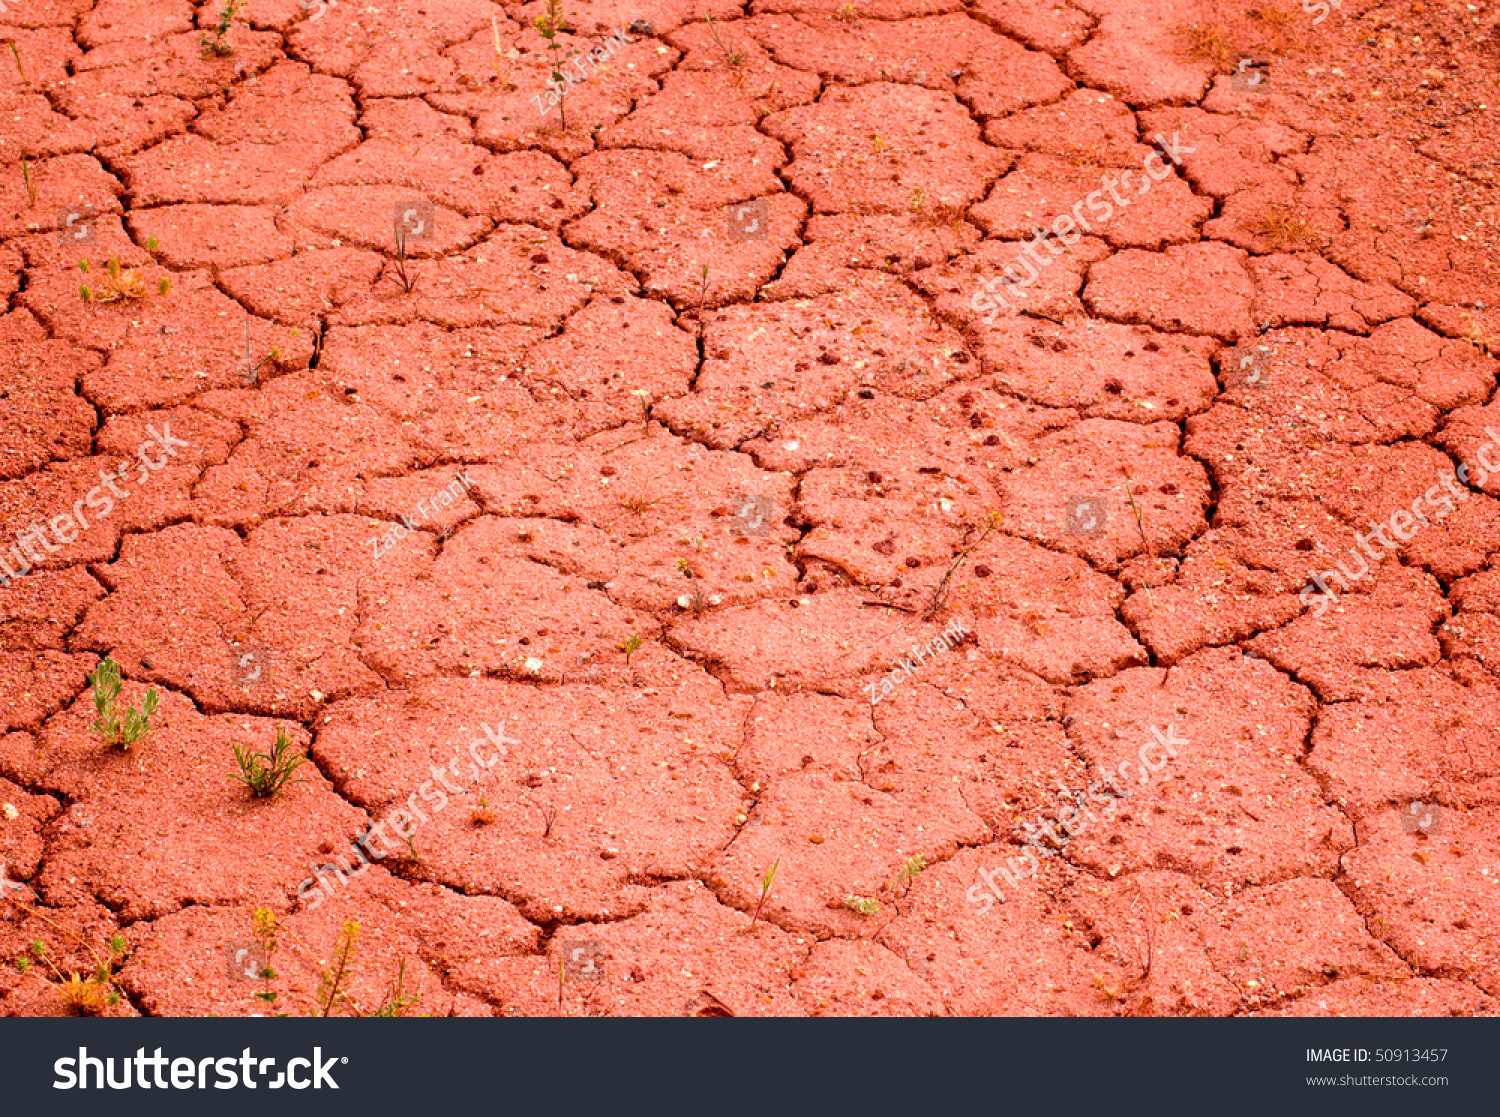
(533, 665)
(10, 812)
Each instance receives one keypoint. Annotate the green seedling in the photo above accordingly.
(765, 890)
(687, 572)
(865, 905)
(645, 398)
(630, 645)
(15, 52)
(218, 45)
(395, 1004)
(117, 284)
(266, 773)
(940, 594)
(265, 937)
(909, 871)
(735, 57)
(482, 815)
(105, 681)
(407, 278)
(331, 981)
(87, 996)
(548, 26)
(30, 180)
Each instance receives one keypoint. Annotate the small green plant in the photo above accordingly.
(264, 921)
(548, 26)
(687, 572)
(406, 277)
(865, 905)
(645, 398)
(909, 871)
(105, 681)
(331, 981)
(482, 815)
(87, 996)
(396, 1002)
(266, 773)
(30, 180)
(251, 375)
(940, 593)
(765, 890)
(218, 45)
(735, 57)
(117, 284)
(15, 52)
(630, 645)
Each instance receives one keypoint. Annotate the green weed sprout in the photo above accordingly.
(765, 890)
(909, 871)
(265, 773)
(105, 680)
(865, 905)
(548, 26)
(217, 45)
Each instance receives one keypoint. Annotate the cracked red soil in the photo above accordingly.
(617, 364)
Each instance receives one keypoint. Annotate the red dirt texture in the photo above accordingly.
(841, 507)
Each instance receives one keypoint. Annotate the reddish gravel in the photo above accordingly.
(575, 557)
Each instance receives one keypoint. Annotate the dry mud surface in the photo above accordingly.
(687, 423)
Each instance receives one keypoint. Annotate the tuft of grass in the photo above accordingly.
(406, 277)
(1212, 43)
(865, 905)
(549, 816)
(1489, 346)
(638, 504)
(218, 45)
(940, 593)
(548, 26)
(1282, 229)
(28, 179)
(733, 55)
(105, 680)
(482, 815)
(266, 773)
(116, 284)
(84, 995)
(1271, 17)
(765, 890)
(396, 1002)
